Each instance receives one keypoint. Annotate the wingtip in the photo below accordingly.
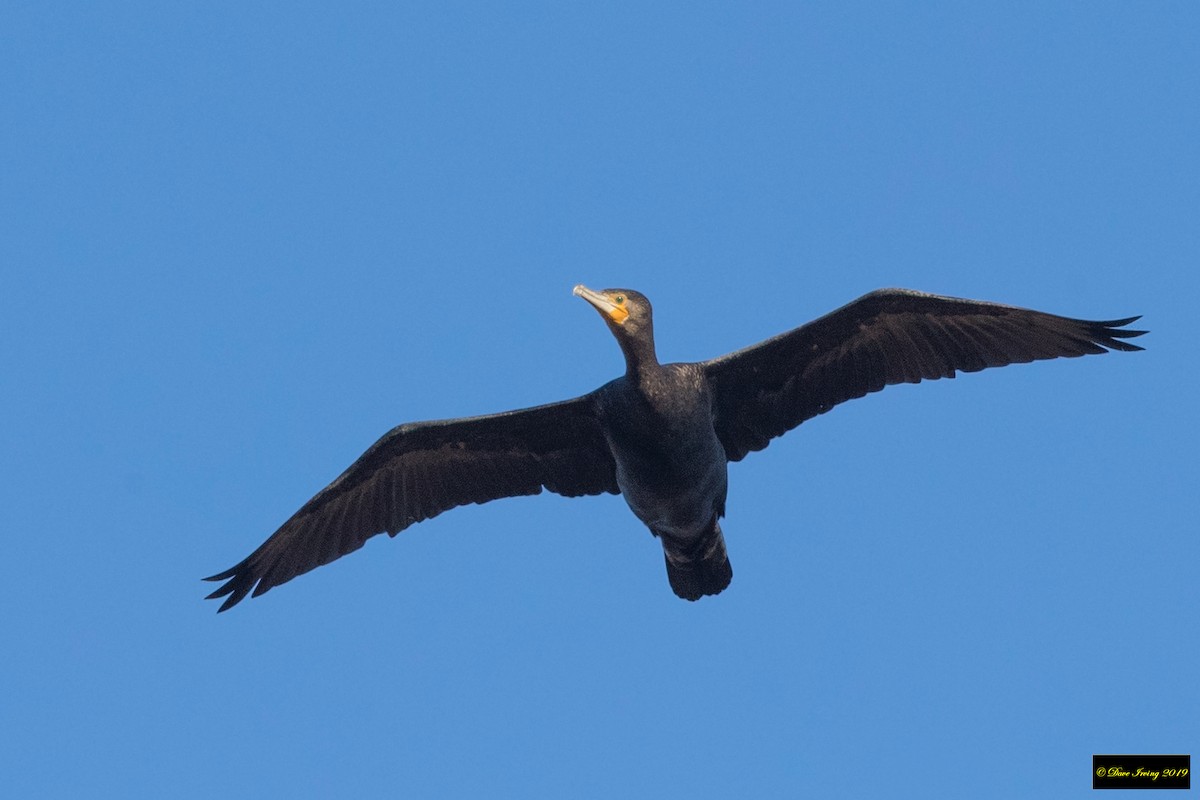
(1121, 323)
(236, 595)
(237, 585)
(220, 592)
(1115, 333)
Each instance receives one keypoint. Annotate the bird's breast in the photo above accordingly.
(671, 467)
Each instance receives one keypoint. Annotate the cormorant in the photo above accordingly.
(661, 434)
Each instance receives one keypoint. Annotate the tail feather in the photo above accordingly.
(699, 568)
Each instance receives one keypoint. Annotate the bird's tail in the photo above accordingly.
(698, 568)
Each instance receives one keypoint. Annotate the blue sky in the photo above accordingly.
(242, 240)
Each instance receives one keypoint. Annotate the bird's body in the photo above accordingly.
(670, 465)
(661, 435)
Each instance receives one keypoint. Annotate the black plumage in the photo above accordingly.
(661, 435)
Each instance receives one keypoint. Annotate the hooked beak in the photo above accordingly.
(606, 307)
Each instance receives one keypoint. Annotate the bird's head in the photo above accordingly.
(628, 315)
(625, 310)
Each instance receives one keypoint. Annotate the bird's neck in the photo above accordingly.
(640, 358)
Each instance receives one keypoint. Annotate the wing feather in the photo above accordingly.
(419, 470)
(886, 337)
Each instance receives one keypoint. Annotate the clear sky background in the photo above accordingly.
(240, 241)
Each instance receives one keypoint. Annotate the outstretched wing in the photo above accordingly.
(888, 336)
(419, 470)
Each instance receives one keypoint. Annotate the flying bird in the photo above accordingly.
(661, 435)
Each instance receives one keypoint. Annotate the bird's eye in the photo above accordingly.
(620, 299)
